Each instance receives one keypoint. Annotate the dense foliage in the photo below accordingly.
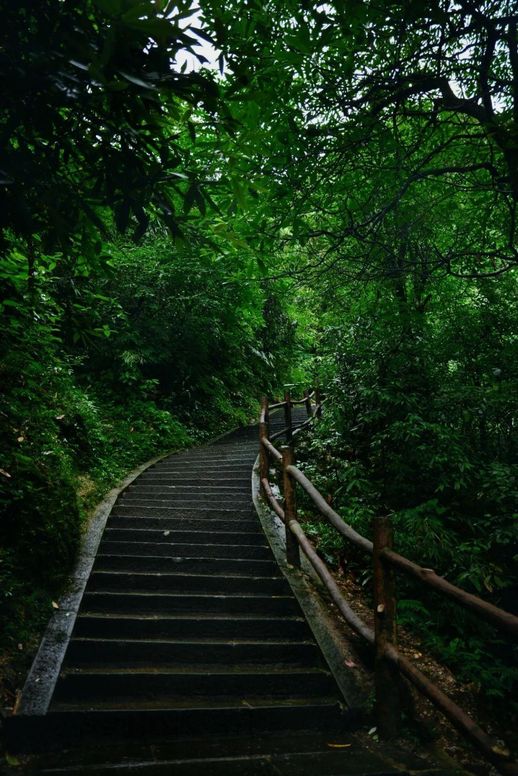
(336, 199)
(105, 371)
(421, 427)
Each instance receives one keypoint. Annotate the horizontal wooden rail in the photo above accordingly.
(313, 416)
(279, 404)
(304, 425)
(334, 518)
(280, 433)
(271, 449)
(499, 617)
(493, 614)
(327, 578)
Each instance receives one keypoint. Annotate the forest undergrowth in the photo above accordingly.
(137, 361)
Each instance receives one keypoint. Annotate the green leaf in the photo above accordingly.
(137, 81)
(111, 7)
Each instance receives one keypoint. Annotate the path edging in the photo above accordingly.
(306, 586)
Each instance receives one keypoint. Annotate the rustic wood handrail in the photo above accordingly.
(499, 617)
(390, 663)
(272, 450)
(279, 404)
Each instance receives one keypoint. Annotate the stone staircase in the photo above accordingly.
(190, 653)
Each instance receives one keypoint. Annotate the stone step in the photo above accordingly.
(178, 478)
(184, 537)
(191, 469)
(186, 502)
(148, 488)
(304, 763)
(206, 654)
(191, 550)
(239, 525)
(171, 495)
(214, 459)
(235, 627)
(61, 729)
(194, 689)
(250, 446)
(148, 603)
(184, 583)
(229, 513)
(243, 749)
(196, 565)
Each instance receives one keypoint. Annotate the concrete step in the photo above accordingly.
(192, 501)
(214, 451)
(178, 478)
(209, 512)
(195, 565)
(184, 537)
(187, 489)
(235, 627)
(186, 583)
(174, 495)
(205, 469)
(58, 730)
(191, 550)
(240, 525)
(92, 653)
(149, 603)
(249, 447)
(352, 758)
(151, 688)
(317, 763)
(215, 460)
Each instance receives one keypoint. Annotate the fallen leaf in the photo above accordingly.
(166, 533)
(351, 664)
(6, 474)
(500, 749)
(20, 647)
(20, 439)
(59, 417)
(55, 605)
(372, 731)
(339, 746)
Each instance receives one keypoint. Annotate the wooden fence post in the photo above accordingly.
(287, 418)
(290, 507)
(263, 434)
(387, 679)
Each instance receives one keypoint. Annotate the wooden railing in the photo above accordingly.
(390, 663)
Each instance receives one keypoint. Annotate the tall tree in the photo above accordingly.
(93, 104)
(436, 83)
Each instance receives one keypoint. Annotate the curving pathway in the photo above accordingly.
(190, 654)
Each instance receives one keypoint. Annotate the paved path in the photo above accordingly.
(190, 654)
